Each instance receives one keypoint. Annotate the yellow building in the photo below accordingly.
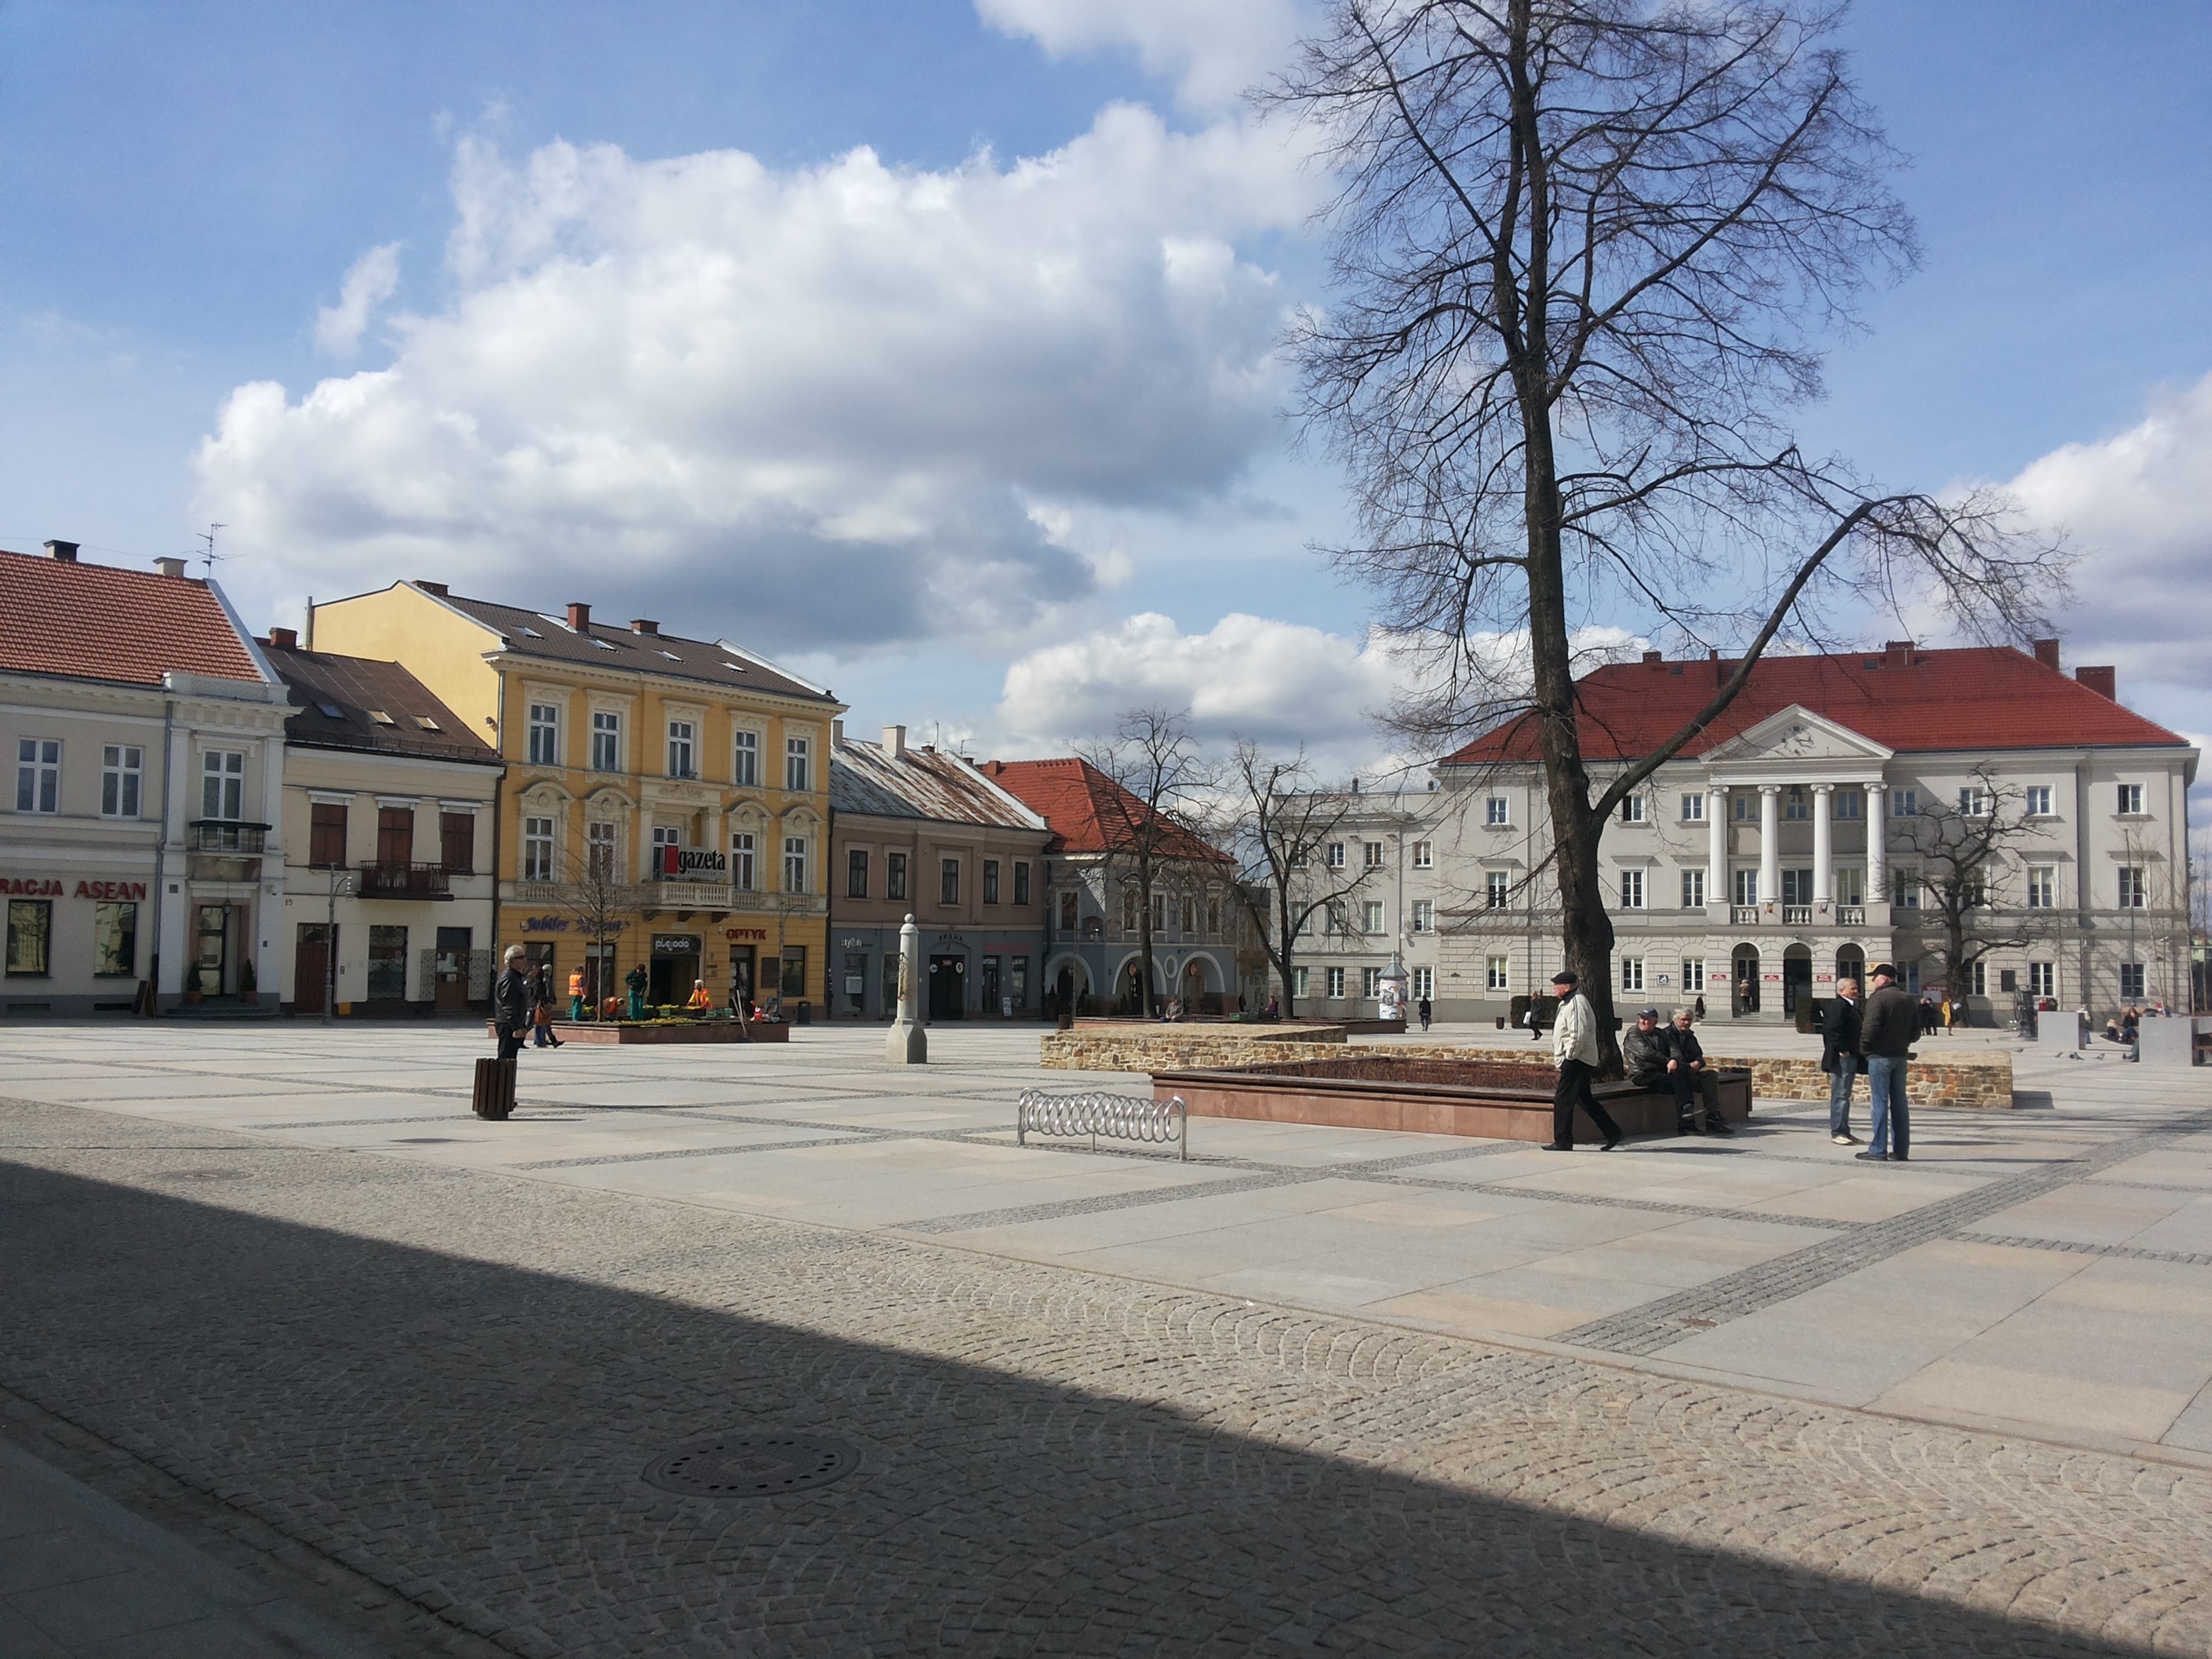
(669, 795)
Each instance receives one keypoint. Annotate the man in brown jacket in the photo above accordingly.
(1886, 1030)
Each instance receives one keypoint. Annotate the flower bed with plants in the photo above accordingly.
(677, 1029)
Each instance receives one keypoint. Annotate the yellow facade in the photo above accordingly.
(596, 780)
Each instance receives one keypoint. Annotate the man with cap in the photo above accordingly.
(512, 1004)
(1886, 1030)
(1574, 1051)
(1643, 1051)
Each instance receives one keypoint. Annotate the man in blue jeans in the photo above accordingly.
(1886, 1030)
(1839, 1059)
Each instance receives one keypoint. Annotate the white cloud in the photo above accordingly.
(1213, 50)
(374, 279)
(823, 406)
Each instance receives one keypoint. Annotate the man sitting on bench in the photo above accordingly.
(1688, 1074)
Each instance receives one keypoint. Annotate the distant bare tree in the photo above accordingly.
(1278, 822)
(1584, 251)
(1972, 907)
(1156, 812)
(595, 896)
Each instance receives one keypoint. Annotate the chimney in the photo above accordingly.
(2105, 681)
(836, 732)
(438, 588)
(894, 742)
(580, 615)
(171, 567)
(2047, 653)
(284, 638)
(1897, 654)
(1653, 658)
(62, 552)
(641, 625)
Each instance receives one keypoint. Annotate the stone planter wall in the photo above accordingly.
(1982, 1081)
(1179, 1047)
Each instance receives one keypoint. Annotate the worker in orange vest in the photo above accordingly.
(575, 993)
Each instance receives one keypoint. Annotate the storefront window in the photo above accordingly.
(794, 972)
(30, 932)
(387, 963)
(115, 940)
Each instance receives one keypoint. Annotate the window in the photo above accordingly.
(682, 750)
(665, 842)
(1851, 884)
(1070, 910)
(1338, 920)
(1021, 881)
(1336, 856)
(2131, 981)
(1631, 890)
(326, 835)
(2038, 800)
(1743, 808)
(538, 849)
(1298, 981)
(606, 741)
(1974, 889)
(1797, 886)
(456, 842)
(1974, 802)
(388, 964)
(1693, 889)
(1187, 916)
(37, 776)
(122, 769)
(2131, 887)
(600, 857)
(2130, 802)
(395, 834)
(2043, 979)
(794, 864)
(1424, 855)
(1904, 887)
(895, 875)
(1424, 984)
(1795, 806)
(1424, 915)
(1849, 804)
(115, 941)
(1213, 916)
(1371, 981)
(856, 872)
(1335, 977)
(1498, 887)
(1631, 810)
(1904, 803)
(1497, 810)
(990, 881)
(2041, 887)
(948, 881)
(744, 762)
(1498, 974)
(1693, 808)
(30, 938)
(1159, 913)
(796, 771)
(744, 868)
(1978, 978)
(1371, 855)
(222, 784)
(1747, 887)
(1370, 916)
(1129, 921)
(1632, 973)
(1693, 976)
(544, 735)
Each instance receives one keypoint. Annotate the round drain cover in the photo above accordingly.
(753, 1465)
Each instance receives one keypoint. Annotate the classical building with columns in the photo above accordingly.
(1786, 845)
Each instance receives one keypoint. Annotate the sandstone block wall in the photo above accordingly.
(1179, 1047)
(1982, 1080)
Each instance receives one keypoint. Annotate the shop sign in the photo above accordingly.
(760, 934)
(686, 860)
(675, 945)
(852, 945)
(30, 887)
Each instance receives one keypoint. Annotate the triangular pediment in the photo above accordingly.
(1798, 736)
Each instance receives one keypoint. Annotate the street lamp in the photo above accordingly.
(341, 885)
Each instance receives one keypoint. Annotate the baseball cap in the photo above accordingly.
(1647, 1013)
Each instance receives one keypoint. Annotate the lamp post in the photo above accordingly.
(341, 883)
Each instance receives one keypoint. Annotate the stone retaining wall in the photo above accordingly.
(1181, 1047)
(1982, 1082)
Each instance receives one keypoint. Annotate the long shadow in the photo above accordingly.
(472, 1435)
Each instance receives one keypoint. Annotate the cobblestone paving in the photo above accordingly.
(436, 1389)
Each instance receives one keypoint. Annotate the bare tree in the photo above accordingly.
(1968, 879)
(1584, 251)
(1153, 816)
(1279, 823)
(592, 893)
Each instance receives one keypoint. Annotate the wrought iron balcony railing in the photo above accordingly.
(405, 881)
(224, 835)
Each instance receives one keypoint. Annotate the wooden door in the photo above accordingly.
(311, 968)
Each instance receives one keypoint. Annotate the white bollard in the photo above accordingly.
(907, 1044)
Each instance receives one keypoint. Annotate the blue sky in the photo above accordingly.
(988, 464)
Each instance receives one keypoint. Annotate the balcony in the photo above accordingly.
(689, 895)
(224, 835)
(405, 881)
(1743, 915)
(1796, 916)
(1851, 915)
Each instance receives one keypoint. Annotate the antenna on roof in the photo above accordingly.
(211, 558)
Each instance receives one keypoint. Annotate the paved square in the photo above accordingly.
(1314, 1390)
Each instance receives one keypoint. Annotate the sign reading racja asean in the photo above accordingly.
(41, 887)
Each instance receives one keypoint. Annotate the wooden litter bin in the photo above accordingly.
(494, 1089)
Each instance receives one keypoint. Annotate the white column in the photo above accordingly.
(1770, 843)
(1716, 890)
(1824, 852)
(1877, 857)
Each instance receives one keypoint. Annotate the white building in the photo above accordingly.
(1786, 844)
(146, 730)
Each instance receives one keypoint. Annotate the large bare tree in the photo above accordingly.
(1977, 902)
(1280, 823)
(1584, 252)
(1153, 816)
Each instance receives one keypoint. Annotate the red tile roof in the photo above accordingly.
(1976, 698)
(1089, 812)
(95, 622)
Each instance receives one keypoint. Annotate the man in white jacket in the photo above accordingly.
(1574, 1051)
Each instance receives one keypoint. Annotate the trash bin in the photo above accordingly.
(805, 1016)
(494, 1089)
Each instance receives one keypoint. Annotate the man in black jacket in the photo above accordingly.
(1841, 1059)
(511, 1005)
(1886, 1030)
(1643, 1052)
(1688, 1074)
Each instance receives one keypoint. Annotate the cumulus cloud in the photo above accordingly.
(2138, 505)
(829, 406)
(374, 279)
(1212, 51)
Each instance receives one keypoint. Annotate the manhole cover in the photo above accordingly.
(753, 1466)
(203, 1175)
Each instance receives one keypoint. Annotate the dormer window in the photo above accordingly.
(331, 711)
(427, 723)
(381, 717)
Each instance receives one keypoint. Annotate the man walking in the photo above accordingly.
(1886, 1030)
(512, 1005)
(1574, 1051)
(1840, 1058)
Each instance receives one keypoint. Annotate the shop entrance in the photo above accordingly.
(1746, 965)
(1796, 977)
(211, 955)
(310, 967)
(948, 987)
(450, 994)
(856, 982)
(675, 965)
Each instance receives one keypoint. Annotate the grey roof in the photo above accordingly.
(536, 634)
(866, 778)
(344, 695)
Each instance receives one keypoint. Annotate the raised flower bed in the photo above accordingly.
(669, 1030)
